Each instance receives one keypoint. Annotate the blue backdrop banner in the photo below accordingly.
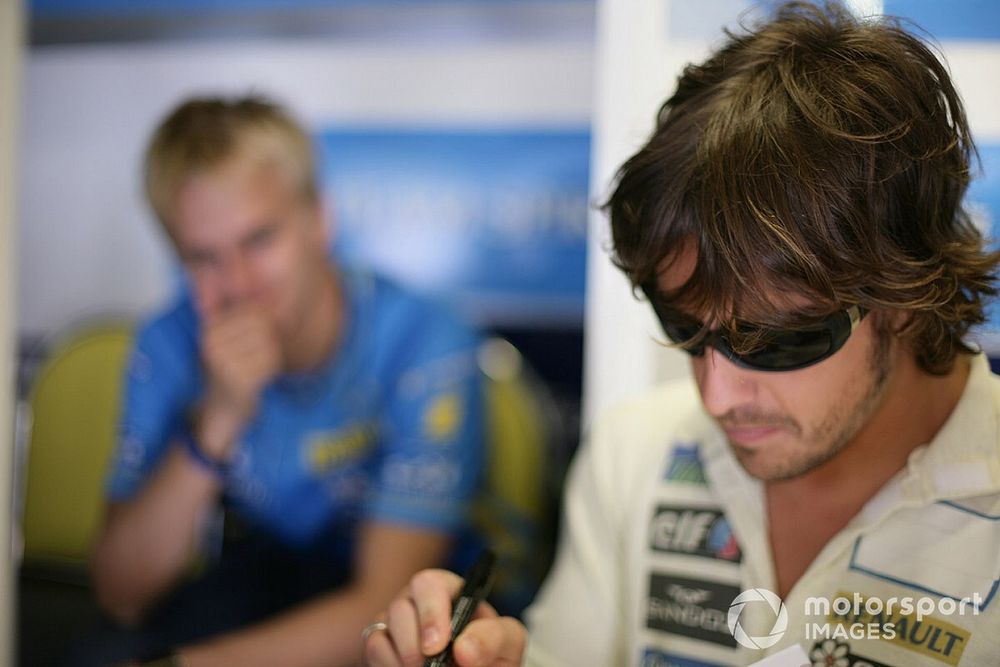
(951, 20)
(983, 201)
(493, 220)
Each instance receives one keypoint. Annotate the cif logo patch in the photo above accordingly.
(443, 416)
(780, 618)
(695, 531)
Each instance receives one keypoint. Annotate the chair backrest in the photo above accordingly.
(518, 508)
(74, 405)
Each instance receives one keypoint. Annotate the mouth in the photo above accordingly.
(748, 436)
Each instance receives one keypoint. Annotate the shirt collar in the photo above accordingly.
(963, 458)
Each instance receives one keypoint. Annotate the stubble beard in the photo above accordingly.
(842, 423)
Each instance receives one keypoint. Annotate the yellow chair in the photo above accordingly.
(517, 510)
(74, 404)
(75, 410)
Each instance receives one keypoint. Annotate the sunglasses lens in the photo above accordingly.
(790, 349)
(781, 349)
(680, 333)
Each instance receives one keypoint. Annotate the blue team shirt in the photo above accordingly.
(389, 429)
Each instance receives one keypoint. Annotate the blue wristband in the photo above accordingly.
(218, 469)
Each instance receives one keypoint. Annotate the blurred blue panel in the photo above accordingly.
(954, 19)
(492, 220)
(80, 8)
(983, 201)
(110, 21)
(104, 7)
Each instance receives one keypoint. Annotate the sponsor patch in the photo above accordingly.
(652, 657)
(835, 653)
(437, 374)
(330, 450)
(131, 452)
(443, 417)
(141, 368)
(921, 548)
(929, 636)
(695, 531)
(691, 608)
(685, 465)
(428, 477)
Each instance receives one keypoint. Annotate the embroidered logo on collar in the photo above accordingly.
(685, 465)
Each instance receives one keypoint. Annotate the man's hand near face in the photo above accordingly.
(241, 355)
(149, 540)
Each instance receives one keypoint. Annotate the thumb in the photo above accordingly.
(491, 641)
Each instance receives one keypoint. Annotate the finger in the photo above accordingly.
(491, 640)
(241, 340)
(432, 592)
(238, 323)
(404, 629)
(485, 610)
(249, 348)
(379, 651)
(256, 338)
(207, 302)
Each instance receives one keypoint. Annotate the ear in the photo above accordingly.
(896, 320)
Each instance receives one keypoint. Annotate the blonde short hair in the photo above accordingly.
(203, 134)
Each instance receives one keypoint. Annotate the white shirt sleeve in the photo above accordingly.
(577, 618)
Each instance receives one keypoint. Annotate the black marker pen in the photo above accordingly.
(477, 585)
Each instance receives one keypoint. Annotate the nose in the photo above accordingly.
(723, 384)
(236, 280)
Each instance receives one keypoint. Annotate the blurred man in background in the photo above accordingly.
(336, 418)
(796, 222)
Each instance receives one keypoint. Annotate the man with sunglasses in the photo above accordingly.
(795, 221)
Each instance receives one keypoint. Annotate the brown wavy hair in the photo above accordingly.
(817, 155)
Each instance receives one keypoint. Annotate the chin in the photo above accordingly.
(770, 466)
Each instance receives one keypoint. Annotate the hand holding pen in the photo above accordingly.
(478, 582)
(417, 627)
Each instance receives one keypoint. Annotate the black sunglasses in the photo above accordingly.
(780, 349)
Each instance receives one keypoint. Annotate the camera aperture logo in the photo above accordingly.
(780, 618)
